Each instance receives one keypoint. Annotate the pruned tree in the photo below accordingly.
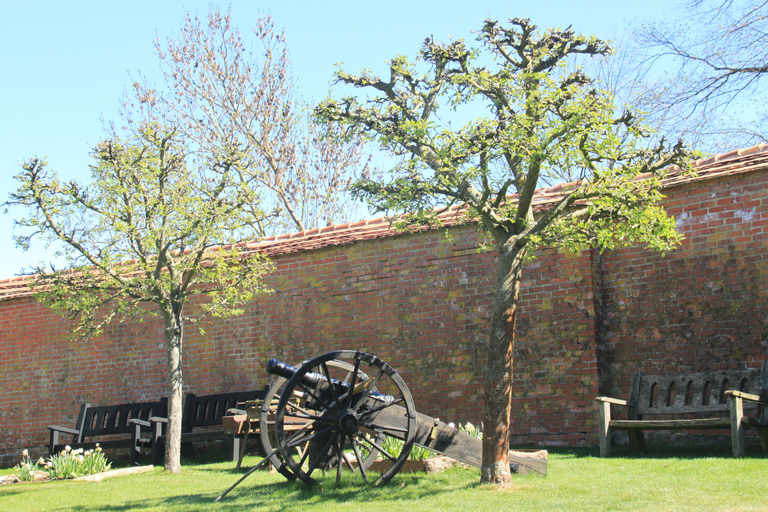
(154, 227)
(218, 90)
(704, 73)
(544, 122)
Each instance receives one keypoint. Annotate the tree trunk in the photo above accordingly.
(498, 370)
(173, 336)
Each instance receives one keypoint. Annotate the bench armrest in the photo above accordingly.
(158, 419)
(137, 421)
(66, 430)
(744, 396)
(614, 401)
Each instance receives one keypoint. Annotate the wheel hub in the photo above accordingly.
(346, 421)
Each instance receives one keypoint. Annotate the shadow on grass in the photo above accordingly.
(294, 495)
(662, 452)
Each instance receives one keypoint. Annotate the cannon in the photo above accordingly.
(336, 412)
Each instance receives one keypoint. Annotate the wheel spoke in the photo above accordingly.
(357, 456)
(383, 427)
(330, 385)
(342, 458)
(352, 383)
(297, 407)
(382, 450)
(310, 393)
(365, 393)
(293, 443)
(396, 401)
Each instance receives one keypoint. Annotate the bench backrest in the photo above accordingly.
(208, 410)
(694, 392)
(113, 419)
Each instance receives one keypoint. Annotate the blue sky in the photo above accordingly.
(65, 64)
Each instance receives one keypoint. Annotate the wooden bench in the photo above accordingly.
(706, 400)
(202, 421)
(127, 426)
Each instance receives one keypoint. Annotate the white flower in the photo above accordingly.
(41, 461)
(80, 458)
(469, 426)
(67, 448)
(452, 425)
(25, 453)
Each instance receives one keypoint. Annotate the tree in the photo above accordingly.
(222, 154)
(153, 227)
(544, 123)
(717, 51)
(218, 91)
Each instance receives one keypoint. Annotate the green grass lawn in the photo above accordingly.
(675, 480)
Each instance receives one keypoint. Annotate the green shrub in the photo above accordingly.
(74, 463)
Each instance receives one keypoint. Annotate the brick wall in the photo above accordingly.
(704, 305)
(422, 304)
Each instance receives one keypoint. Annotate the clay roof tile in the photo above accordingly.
(725, 164)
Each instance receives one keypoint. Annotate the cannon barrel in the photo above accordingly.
(285, 370)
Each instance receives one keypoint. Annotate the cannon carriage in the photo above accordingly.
(336, 411)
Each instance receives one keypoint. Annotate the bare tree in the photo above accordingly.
(219, 92)
(701, 75)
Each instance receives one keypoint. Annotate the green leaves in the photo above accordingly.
(545, 123)
(148, 229)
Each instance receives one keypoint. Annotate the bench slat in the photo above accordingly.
(698, 423)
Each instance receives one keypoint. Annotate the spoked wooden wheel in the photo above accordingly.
(344, 423)
(297, 403)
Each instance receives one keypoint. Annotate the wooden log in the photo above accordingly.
(98, 477)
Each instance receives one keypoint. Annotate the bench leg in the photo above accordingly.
(158, 444)
(54, 442)
(762, 415)
(763, 433)
(636, 441)
(235, 444)
(605, 429)
(136, 449)
(737, 427)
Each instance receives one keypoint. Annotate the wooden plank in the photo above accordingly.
(521, 465)
(608, 399)
(449, 441)
(700, 423)
(745, 396)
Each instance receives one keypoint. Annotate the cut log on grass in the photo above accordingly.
(98, 477)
